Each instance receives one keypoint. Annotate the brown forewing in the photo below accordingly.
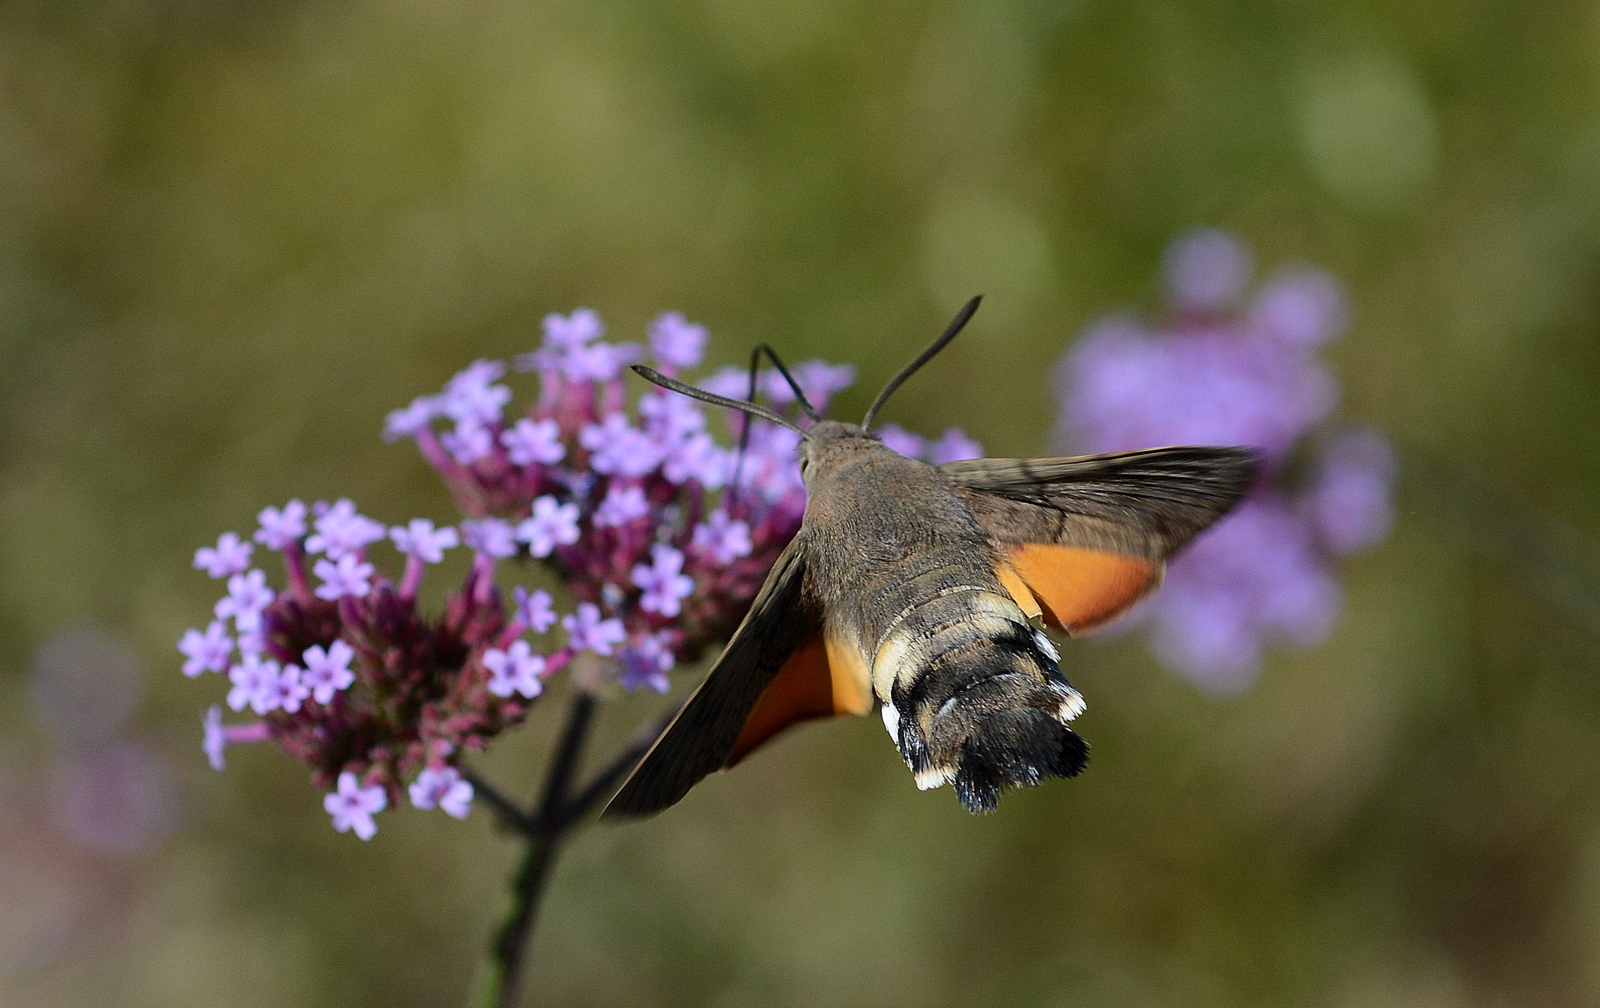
(1080, 540)
(1141, 504)
(703, 735)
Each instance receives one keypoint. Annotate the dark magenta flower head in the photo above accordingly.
(1225, 365)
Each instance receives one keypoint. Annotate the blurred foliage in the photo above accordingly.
(233, 235)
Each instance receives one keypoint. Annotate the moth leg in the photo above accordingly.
(750, 396)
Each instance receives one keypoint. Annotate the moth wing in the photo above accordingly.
(824, 677)
(773, 673)
(1085, 538)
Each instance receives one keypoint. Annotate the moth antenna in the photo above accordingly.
(950, 331)
(805, 404)
(672, 384)
(744, 434)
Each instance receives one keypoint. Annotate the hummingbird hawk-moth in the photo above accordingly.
(915, 586)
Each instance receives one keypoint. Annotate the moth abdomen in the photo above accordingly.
(1017, 747)
(976, 698)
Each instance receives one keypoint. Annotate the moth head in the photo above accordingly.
(823, 442)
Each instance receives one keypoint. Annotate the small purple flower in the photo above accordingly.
(420, 539)
(476, 375)
(327, 671)
(775, 387)
(352, 806)
(468, 443)
(535, 609)
(677, 342)
(670, 417)
(821, 381)
(287, 691)
(252, 642)
(253, 679)
(770, 463)
(646, 661)
(341, 531)
(470, 398)
(215, 739)
(207, 652)
(1255, 577)
(442, 788)
(346, 576)
(587, 631)
(530, 441)
(492, 537)
(697, 458)
(664, 583)
(897, 438)
(818, 379)
(616, 448)
(1206, 269)
(248, 594)
(219, 736)
(408, 420)
(280, 528)
(621, 506)
(516, 670)
(954, 446)
(569, 349)
(721, 538)
(571, 332)
(731, 382)
(599, 363)
(1301, 308)
(552, 524)
(231, 556)
(1348, 502)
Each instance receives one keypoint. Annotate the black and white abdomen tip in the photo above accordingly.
(975, 697)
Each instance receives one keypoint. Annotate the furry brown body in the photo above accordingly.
(914, 585)
(971, 692)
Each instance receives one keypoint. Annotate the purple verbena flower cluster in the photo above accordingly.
(633, 511)
(1223, 368)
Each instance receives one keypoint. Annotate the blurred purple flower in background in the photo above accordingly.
(1223, 368)
(628, 510)
(110, 792)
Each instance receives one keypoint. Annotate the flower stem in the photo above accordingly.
(512, 818)
(511, 946)
(545, 830)
(562, 807)
(612, 775)
(551, 806)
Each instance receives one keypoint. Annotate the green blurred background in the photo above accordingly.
(234, 234)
